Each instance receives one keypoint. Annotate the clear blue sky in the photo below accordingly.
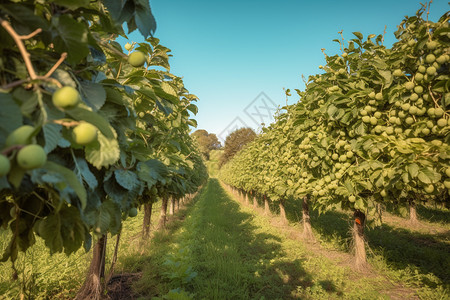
(228, 52)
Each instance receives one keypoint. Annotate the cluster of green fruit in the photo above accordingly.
(66, 98)
(27, 154)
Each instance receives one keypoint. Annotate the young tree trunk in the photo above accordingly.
(283, 213)
(172, 206)
(177, 204)
(162, 215)
(307, 230)
(92, 287)
(266, 206)
(358, 239)
(148, 207)
(255, 201)
(246, 199)
(413, 213)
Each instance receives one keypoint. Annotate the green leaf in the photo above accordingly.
(152, 171)
(358, 35)
(424, 178)
(71, 38)
(50, 231)
(193, 108)
(52, 134)
(413, 170)
(103, 153)
(93, 94)
(127, 179)
(82, 114)
(144, 18)
(84, 173)
(10, 116)
(70, 178)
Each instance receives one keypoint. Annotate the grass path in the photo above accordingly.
(223, 250)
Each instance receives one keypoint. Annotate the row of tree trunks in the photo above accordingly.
(148, 208)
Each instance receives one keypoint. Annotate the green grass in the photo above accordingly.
(232, 253)
(58, 276)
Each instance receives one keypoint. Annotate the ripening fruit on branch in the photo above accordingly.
(447, 171)
(20, 136)
(66, 97)
(409, 85)
(133, 212)
(128, 46)
(84, 133)
(31, 157)
(432, 45)
(430, 58)
(5, 165)
(137, 59)
(397, 73)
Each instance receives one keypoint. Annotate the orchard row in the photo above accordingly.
(89, 133)
(372, 129)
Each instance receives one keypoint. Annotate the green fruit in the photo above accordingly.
(397, 73)
(31, 157)
(431, 112)
(418, 89)
(5, 165)
(133, 212)
(344, 54)
(447, 184)
(413, 110)
(430, 124)
(439, 112)
(426, 131)
(13, 212)
(413, 97)
(442, 122)
(409, 120)
(422, 69)
(335, 156)
(373, 120)
(363, 112)
(418, 77)
(19, 136)
(389, 130)
(392, 119)
(406, 106)
(84, 133)
(447, 171)
(441, 59)
(379, 96)
(352, 198)
(431, 70)
(429, 189)
(372, 95)
(430, 58)
(66, 97)
(349, 154)
(366, 119)
(128, 46)
(432, 45)
(409, 85)
(377, 114)
(436, 143)
(137, 59)
(383, 193)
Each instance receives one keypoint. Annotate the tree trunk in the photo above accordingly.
(162, 215)
(177, 204)
(266, 206)
(246, 199)
(359, 245)
(255, 201)
(92, 287)
(172, 206)
(283, 213)
(307, 230)
(148, 207)
(413, 213)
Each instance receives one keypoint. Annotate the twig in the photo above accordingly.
(114, 259)
(56, 65)
(65, 123)
(110, 48)
(19, 41)
(10, 149)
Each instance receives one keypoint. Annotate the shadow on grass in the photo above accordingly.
(234, 260)
(399, 247)
(426, 213)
